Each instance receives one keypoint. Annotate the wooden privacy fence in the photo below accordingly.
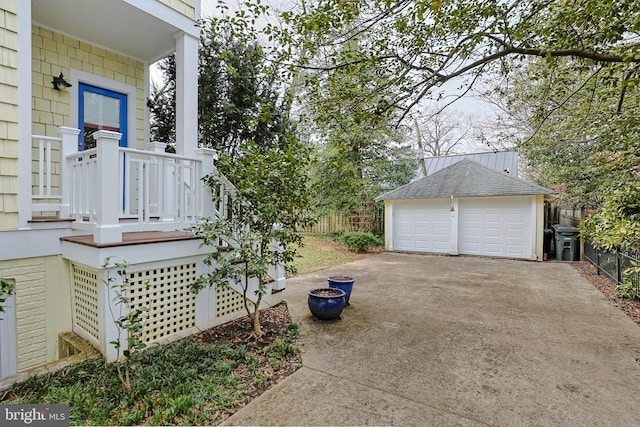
(337, 222)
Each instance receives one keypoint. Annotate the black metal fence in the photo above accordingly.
(614, 263)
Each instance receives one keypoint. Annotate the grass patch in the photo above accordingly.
(321, 251)
(195, 381)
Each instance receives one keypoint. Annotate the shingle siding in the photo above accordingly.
(9, 115)
(186, 7)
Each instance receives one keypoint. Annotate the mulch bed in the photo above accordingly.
(608, 288)
(274, 321)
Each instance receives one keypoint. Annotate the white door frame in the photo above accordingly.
(78, 76)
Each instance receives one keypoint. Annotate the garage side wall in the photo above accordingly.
(539, 226)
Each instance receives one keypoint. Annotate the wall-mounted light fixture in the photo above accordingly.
(59, 83)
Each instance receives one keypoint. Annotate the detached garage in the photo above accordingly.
(467, 208)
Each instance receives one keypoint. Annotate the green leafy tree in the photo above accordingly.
(263, 166)
(238, 89)
(572, 143)
(260, 229)
(414, 47)
(162, 104)
(360, 152)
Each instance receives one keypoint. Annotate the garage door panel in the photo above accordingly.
(493, 217)
(485, 230)
(441, 218)
(422, 226)
(422, 245)
(515, 233)
(473, 216)
(422, 217)
(471, 231)
(441, 232)
(516, 249)
(491, 248)
(404, 243)
(516, 218)
(441, 246)
(492, 232)
(404, 231)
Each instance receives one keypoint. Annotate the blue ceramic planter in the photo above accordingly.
(326, 303)
(344, 283)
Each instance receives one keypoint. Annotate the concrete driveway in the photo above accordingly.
(458, 341)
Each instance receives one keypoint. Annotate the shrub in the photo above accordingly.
(359, 241)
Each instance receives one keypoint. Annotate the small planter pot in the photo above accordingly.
(344, 283)
(326, 303)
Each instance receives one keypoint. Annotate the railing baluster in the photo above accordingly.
(48, 167)
(40, 166)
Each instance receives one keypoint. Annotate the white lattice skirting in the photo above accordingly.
(228, 301)
(166, 292)
(85, 300)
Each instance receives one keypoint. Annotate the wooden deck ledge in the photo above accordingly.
(133, 238)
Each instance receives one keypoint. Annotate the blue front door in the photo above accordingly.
(100, 109)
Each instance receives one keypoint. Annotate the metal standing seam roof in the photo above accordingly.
(502, 161)
(465, 178)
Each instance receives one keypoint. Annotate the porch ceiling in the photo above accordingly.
(140, 29)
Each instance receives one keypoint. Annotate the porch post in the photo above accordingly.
(186, 93)
(205, 299)
(277, 271)
(69, 146)
(24, 115)
(108, 197)
(206, 156)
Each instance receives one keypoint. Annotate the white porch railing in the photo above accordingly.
(152, 187)
(110, 189)
(46, 195)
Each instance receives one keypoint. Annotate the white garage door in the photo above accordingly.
(421, 226)
(496, 227)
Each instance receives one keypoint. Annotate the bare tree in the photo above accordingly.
(442, 132)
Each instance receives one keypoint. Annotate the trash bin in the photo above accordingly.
(567, 238)
(546, 243)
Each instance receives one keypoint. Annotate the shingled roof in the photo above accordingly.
(466, 178)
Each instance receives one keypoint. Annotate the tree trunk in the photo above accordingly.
(257, 329)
